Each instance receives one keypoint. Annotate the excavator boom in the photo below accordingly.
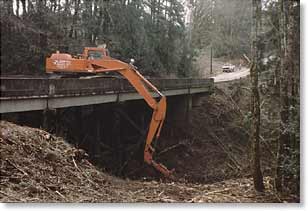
(96, 60)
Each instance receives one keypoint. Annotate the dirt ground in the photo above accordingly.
(39, 167)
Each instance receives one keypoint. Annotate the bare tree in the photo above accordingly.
(255, 97)
(288, 32)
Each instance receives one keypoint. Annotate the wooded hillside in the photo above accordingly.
(150, 31)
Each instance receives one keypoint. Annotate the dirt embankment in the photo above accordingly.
(39, 167)
(211, 147)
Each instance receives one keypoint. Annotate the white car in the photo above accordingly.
(228, 68)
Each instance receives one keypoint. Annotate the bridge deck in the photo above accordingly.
(27, 94)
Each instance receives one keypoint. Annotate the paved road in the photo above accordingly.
(232, 76)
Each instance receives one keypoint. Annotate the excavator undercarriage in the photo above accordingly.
(96, 61)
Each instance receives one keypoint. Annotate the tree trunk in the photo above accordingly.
(288, 95)
(75, 17)
(284, 138)
(9, 7)
(17, 8)
(255, 98)
(24, 10)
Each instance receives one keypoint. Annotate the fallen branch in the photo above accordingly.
(5, 194)
(217, 191)
(19, 169)
(235, 105)
(230, 156)
(160, 193)
(86, 176)
(232, 167)
(61, 195)
(195, 199)
(170, 148)
(76, 165)
(247, 59)
(168, 200)
(267, 146)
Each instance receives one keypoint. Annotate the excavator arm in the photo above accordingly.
(143, 87)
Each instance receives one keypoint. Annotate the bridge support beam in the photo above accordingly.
(179, 108)
(197, 100)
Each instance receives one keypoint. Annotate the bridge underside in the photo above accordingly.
(87, 113)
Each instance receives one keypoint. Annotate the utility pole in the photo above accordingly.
(211, 58)
(212, 24)
(189, 20)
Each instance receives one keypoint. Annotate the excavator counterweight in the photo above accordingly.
(97, 60)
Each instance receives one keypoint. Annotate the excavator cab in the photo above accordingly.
(95, 53)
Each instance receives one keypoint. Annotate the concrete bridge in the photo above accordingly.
(32, 94)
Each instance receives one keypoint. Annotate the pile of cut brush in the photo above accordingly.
(36, 166)
(39, 167)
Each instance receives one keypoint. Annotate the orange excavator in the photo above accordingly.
(97, 60)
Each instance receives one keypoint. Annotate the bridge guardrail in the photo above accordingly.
(42, 87)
